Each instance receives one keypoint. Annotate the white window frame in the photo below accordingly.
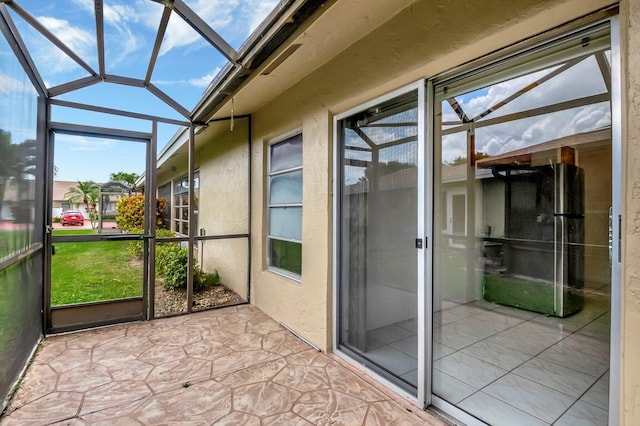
(269, 175)
(176, 220)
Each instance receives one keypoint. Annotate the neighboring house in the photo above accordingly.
(18, 193)
(486, 287)
(60, 202)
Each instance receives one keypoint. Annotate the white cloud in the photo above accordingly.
(11, 85)
(80, 143)
(257, 11)
(232, 19)
(201, 82)
(120, 40)
(581, 80)
(217, 13)
(119, 14)
(204, 80)
(114, 14)
(81, 41)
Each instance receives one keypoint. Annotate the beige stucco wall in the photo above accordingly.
(630, 361)
(302, 305)
(222, 157)
(223, 160)
(420, 41)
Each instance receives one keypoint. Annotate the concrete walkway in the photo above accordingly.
(227, 366)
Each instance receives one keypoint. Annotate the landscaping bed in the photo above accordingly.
(171, 302)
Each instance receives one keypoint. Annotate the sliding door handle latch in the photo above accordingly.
(419, 243)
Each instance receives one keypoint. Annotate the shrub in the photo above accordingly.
(171, 264)
(175, 269)
(208, 280)
(165, 257)
(135, 248)
(131, 212)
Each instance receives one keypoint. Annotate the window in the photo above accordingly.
(164, 192)
(285, 205)
(181, 203)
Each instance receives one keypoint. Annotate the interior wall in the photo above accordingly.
(597, 197)
(391, 258)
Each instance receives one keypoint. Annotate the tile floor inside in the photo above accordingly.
(509, 366)
(232, 365)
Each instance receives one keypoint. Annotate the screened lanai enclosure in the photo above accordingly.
(93, 88)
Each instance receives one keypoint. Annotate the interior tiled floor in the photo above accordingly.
(509, 366)
(228, 366)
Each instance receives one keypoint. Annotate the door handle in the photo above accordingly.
(419, 243)
(610, 234)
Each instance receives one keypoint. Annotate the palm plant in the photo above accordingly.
(16, 162)
(86, 192)
(6, 162)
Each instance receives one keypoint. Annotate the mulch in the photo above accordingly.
(172, 302)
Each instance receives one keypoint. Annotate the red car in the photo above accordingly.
(71, 218)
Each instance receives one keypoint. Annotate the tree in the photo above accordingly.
(86, 193)
(129, 178)
(16, 162)
(6, 162)
(462, 159)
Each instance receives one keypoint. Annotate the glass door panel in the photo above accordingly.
(521, 268)
(378, 305)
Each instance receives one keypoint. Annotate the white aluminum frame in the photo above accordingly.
(279, 271)
(173, 218)
(423, 231)
(615, 339)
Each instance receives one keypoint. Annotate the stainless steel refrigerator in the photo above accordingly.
(539, 263)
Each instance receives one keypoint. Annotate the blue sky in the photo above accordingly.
(185, 67)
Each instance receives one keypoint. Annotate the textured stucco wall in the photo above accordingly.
(630, 363)
(223, 159)
(304, 305)
(419, 41)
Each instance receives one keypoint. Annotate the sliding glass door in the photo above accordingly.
(522, 265)
(379, 254)
(505, 316)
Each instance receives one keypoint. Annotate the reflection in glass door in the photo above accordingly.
(378, 281)
(521, 309)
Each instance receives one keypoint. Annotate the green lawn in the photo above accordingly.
(89, 272)
(10, 241)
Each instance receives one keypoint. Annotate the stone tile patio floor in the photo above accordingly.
(227, 366)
